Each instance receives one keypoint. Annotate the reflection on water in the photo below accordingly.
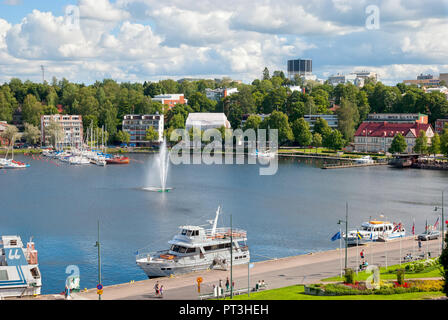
(290, 213)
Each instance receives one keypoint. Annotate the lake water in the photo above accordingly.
(293, 212)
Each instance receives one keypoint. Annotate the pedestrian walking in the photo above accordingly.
(161, 291)
(362, 254)
(227, 284)
(419, 245)
(156, 288)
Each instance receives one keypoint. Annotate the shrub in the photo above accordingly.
(349, 276)
(400, 276)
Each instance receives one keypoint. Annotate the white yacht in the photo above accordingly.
(195, 248)
(19, 270)
(79, 160)
(375, 231)
(365, 160)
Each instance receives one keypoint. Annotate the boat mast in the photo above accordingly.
(215, 223)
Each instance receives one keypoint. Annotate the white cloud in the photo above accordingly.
(149, 39)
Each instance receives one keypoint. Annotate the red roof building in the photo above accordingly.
(378, 136)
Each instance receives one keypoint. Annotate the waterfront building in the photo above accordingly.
(332, 120)
(424, 80)
(136, 125)
(444, 77)
(366, 75)
(398, 117)
(357, 78)
(218, 94)
(71, 126)
(170, 100)
(378, 136)
(3, 126)
(440, 125)
(207, 121)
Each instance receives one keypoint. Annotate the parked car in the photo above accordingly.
(429, 235)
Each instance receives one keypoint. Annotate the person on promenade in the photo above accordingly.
(156, 288)
(263, 284)
(419, 245)
(220, 283)
(362, 254)
(161, 291)
(227, 284)
(257, 286)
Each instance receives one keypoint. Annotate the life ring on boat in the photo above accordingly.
(167, 256)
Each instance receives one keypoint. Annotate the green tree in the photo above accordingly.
(31, 134)
(421, 143)
(348, 116)
(302, 133)
(444, 142)
(317, 140)
(435, 147)
(11, 134)
(335, 140)
(54, 133)
(278, 120)
(398, 145)
(32, 110)
(252, 122)
(266, 74)
(151, 134)
(123, 136)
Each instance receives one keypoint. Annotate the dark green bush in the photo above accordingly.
(349, 276)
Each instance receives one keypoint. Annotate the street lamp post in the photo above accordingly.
(346, 231)
(442, 222)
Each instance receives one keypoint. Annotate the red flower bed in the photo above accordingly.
(404, 285)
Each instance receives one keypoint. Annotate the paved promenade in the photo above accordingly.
(277, 273)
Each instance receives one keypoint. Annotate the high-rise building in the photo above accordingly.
(301, 67)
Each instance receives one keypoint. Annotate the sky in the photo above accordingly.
(149, 40)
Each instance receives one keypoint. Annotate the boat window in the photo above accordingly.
(175, 248)
(4, 275)
(191, 250)
(182, 249)
(184, 232)
(189, 233)
(364, 228)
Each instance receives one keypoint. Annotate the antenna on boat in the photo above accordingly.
(215, 223)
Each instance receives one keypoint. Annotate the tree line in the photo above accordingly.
(104, 104)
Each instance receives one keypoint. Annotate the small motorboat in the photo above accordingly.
(365, 160)
(118, 160)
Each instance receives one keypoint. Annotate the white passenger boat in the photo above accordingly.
(79, 160)
(196, 248)
(12, 164)
(365, 160)
(263, 154)
(375, 231)
(19, 270)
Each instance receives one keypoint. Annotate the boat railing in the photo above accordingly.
(224, 233)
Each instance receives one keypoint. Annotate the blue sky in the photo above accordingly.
(138, 40)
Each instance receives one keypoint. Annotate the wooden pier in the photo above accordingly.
(353, 165)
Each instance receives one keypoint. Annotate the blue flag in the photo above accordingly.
(336, 236)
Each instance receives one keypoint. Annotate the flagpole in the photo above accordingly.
(357, 249)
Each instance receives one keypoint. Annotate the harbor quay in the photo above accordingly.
(276, 273)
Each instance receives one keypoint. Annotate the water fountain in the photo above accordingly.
(162, 166)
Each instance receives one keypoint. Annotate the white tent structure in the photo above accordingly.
(207, 121)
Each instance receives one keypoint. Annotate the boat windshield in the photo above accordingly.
(180, 249)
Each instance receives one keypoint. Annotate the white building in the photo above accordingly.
(71, 126)
(331, 119)
(207, 121)
(218, 94)
(136, 126)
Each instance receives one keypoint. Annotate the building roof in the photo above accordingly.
(204, 118)
(386, 129)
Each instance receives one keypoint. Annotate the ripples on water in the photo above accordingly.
(293, 212)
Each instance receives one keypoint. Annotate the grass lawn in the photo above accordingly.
(297, 293)
(430, 272)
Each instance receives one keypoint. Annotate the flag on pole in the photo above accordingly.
(251, 265)
(371, 235)
(426, 225)
(437, 222)
(413, 228)
(359, 235)
(336, 236)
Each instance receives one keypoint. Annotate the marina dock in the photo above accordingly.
(353, 165)
(277, 273)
